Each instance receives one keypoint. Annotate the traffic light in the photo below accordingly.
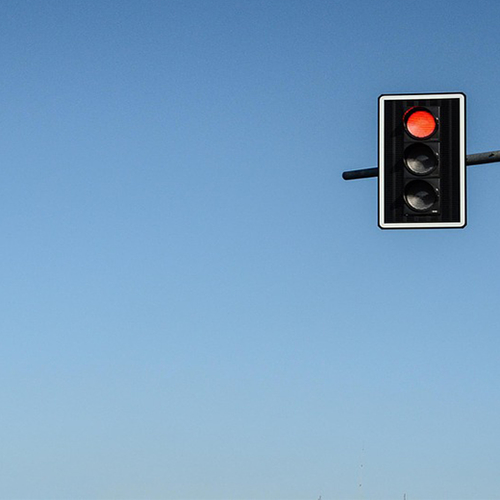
(422, 161)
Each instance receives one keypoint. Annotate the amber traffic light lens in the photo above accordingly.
(420, 159)
(420, 123)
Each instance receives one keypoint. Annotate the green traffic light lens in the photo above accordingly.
(420, 195)
(420, 159)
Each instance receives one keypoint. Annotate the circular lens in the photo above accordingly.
(420, 123)
(420, 195)
(420, 159)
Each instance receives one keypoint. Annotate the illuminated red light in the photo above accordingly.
(420, 123)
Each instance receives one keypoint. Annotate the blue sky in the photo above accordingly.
(195, 305)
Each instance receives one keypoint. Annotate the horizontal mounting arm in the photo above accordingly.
(475, 159)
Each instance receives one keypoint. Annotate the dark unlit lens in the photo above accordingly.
(420, 159)
(420, 195)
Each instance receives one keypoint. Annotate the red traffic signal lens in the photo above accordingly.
(420, 123)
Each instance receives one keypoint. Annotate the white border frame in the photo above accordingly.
(381, 167)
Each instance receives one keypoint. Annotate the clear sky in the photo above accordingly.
(194, 304)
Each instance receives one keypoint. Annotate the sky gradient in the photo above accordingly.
(195, 305)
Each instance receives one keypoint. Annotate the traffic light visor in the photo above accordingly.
(420, 123)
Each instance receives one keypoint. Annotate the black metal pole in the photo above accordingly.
(475, 159)
(360, 174)
(480, 158)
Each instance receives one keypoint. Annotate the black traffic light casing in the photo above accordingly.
(422, 161)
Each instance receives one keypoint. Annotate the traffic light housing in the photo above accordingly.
(422, 161)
